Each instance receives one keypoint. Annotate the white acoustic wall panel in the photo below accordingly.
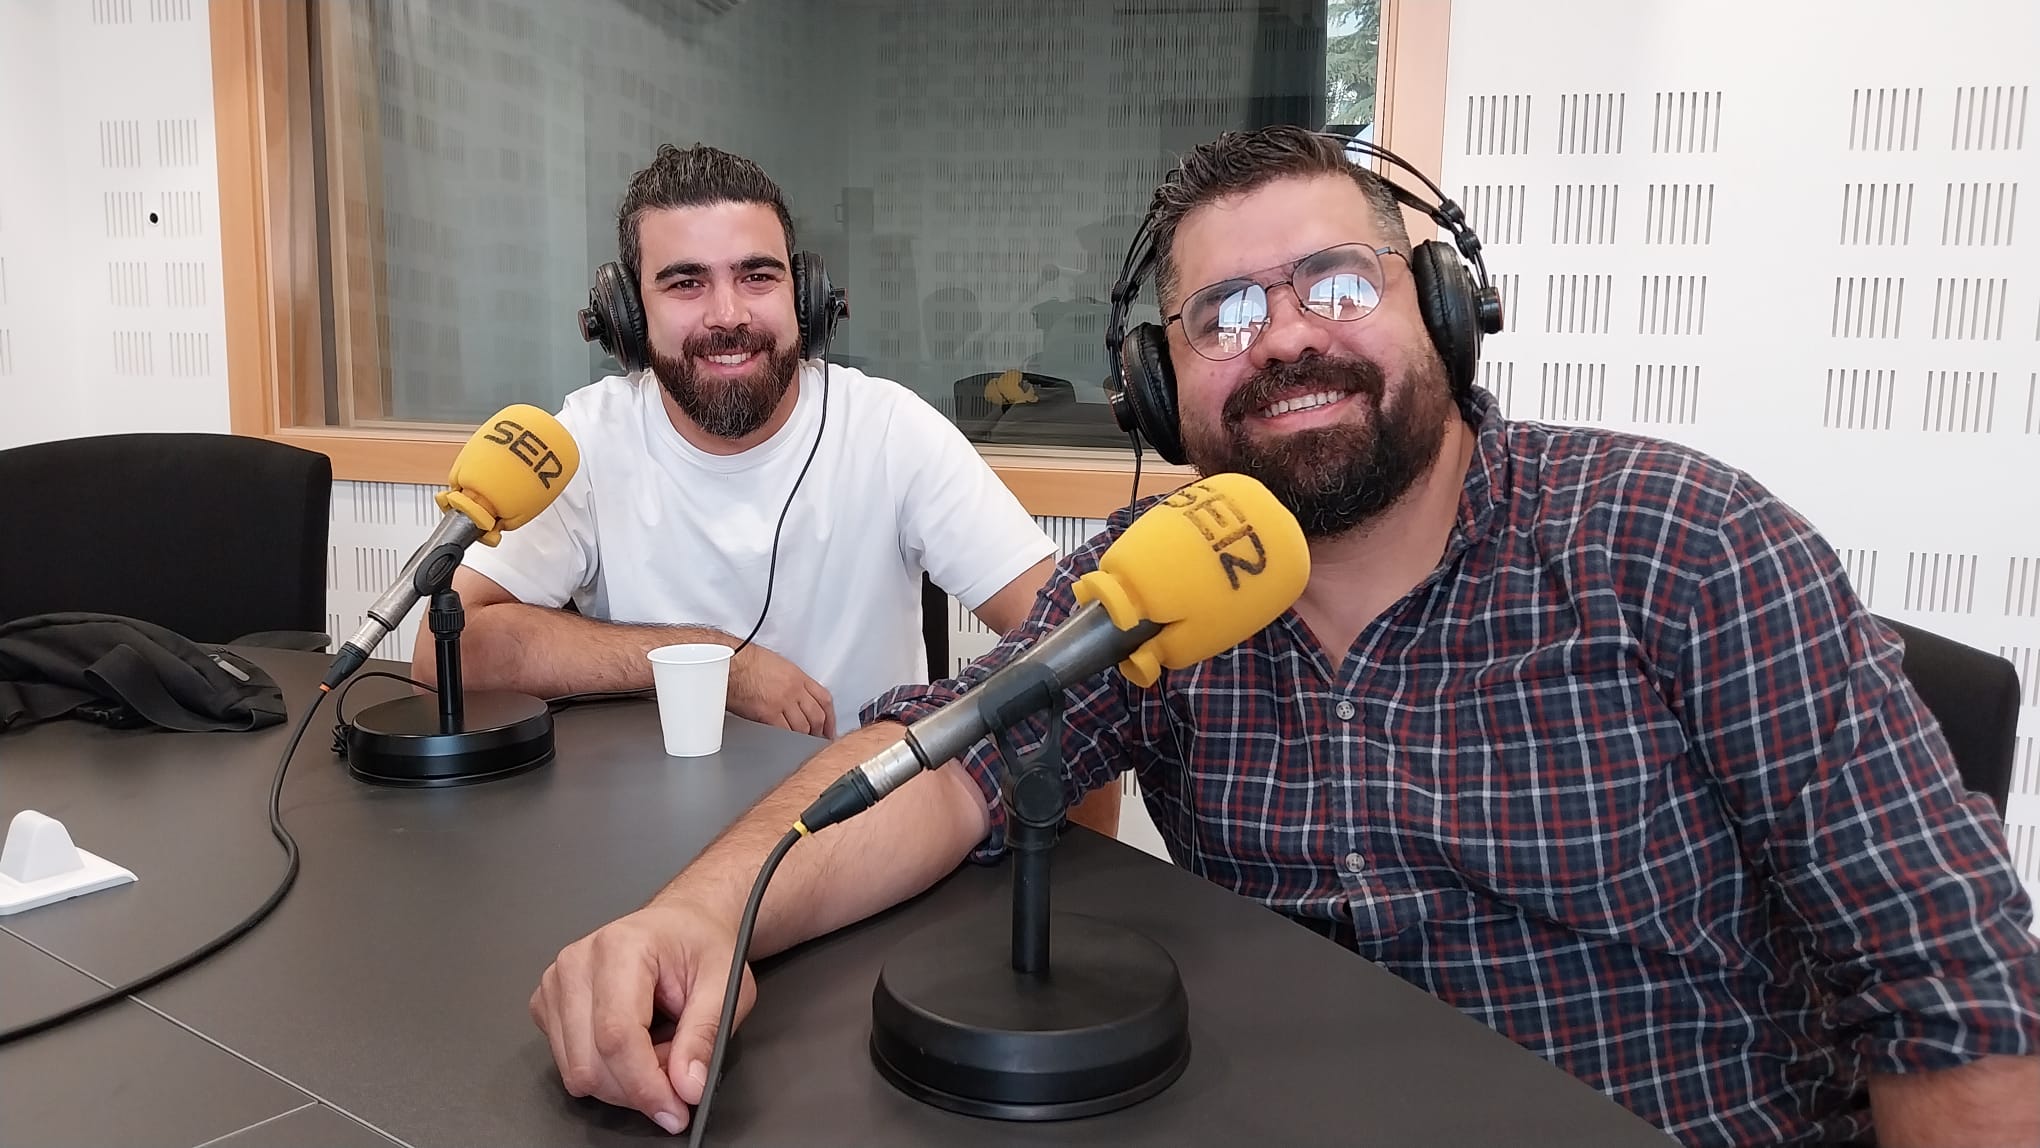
(376, 528)
(34, 326)
(110, 310)
(1800, 237)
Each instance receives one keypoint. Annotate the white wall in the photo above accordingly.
(1790, 235)
(108, 321)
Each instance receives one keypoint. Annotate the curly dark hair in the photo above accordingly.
(695, 177)
(1241, 161)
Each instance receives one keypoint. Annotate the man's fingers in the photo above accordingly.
(827, 705)
(619, 1025)
(640, 1077)
(546, 1014)
(573, 1033)
(694, 1042)
(816, 717)
(791, 716)
(694, 1035)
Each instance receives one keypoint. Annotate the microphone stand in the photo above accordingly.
(1067, 1016)
(459, 738)
(1035, 807)
(447, 620)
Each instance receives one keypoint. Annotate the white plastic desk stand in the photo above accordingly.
(39, 864)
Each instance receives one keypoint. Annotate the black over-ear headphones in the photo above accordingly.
(615, 314)
(1458, 309)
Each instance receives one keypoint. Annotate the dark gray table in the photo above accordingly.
(127, 1075)
(386, 996)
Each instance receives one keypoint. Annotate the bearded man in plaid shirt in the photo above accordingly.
(1584, 733)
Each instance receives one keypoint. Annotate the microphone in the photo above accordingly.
(510, 470)
(1200, 572)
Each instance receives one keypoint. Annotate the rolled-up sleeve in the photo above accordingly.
(1895, 879)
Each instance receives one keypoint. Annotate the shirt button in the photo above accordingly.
(1344, 709)
(1355, 863)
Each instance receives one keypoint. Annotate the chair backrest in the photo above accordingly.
(935, 628)
(1974, 695)
(213, 536)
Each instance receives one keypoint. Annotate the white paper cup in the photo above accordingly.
(693, 685)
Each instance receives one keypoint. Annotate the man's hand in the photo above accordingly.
(767, 688)
(598, 1000)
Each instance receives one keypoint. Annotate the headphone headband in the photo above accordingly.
(1457, 308)
(1141, 255)
(1445, 213)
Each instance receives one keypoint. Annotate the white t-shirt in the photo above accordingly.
(651, 529)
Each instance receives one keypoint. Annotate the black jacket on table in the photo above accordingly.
(127, 673)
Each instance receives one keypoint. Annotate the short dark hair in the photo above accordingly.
(1242, 161)
(699, 176)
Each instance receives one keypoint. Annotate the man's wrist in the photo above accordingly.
(673, 634)
(712, 899)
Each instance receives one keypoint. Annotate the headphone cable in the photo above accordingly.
(1133, 496)
(290, 872)
(772, 567)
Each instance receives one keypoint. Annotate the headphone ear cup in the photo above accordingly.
(615, 318)
(817, 305)
(1148, 392)
(1445, 299)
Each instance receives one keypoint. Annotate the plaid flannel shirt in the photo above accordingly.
(1632, 777)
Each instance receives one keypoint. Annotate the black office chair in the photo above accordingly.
(1974, 695)
(935, 628)
(216, 537)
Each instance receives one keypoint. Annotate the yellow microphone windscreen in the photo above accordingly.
(513, 467)
(1215, 562)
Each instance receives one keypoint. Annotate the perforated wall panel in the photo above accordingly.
(1790, 235)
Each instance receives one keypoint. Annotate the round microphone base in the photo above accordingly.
(401, 742)
(1107, 1026)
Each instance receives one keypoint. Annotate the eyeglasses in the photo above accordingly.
(1340, 283)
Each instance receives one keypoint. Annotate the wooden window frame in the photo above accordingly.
(269, 246)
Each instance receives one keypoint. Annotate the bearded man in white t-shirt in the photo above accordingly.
(666, 533)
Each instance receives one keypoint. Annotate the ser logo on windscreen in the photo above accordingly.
(1231, 536)
(529, 450)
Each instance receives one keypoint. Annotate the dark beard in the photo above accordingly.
(728, 408)
(1332, 478)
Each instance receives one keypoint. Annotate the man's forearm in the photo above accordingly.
(1989, 1102)
(846, 872)
(546, 653)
